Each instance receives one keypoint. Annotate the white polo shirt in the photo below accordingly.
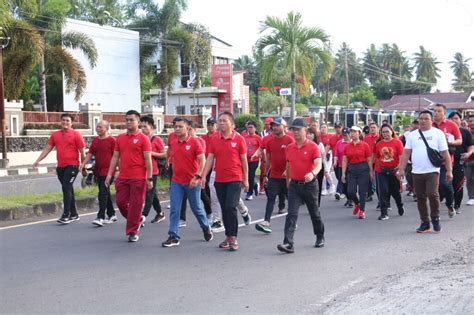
(419, 156)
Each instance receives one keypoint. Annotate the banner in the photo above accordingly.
(221, 77)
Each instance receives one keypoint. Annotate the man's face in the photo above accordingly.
(267, 127)
(338, 130)
(456, 119)
(66, 123)
(211, 128)
(425, 121)
(299, 133)
(132, 122)
(373, 129)
(180, 128)
(100, 129)
(439, 114)
(324, 129)
(225, 123)
(251, 129)
(146, 128)
(277, 129)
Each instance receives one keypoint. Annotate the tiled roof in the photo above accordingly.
(423, 101)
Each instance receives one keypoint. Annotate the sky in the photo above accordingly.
(443, 27)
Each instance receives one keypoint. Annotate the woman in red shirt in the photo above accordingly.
(356, 167)
(387, 152)
(253, 141)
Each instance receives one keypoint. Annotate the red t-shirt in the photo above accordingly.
(184, 154)
(370, 140)
(450, 129)
(276, 147)
(207, 138)
(387, 154)
(333, 141)
(132, 161)
(157, 146)
(357, 153)
(228, 165)
(253, 143)
(67, 143)
(102, 150)
(302, 159)
(325, 139)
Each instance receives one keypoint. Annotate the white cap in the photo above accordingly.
(356, 128)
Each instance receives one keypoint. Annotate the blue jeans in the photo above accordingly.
(177, 192)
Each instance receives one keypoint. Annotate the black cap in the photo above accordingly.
(346, 131)
(211, 121)
(298, 123)
(337, 124)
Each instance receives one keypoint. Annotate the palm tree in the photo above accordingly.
(461, 71)
(426, 68)
(295, 49)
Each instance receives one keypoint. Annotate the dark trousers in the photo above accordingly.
(105, 200)
(458, 183)
(358, 177)
(426, 189)
(446, 190)
(151, 199)
(67, 175)
(338, 172)
(388, 186)
(252, 169)
(228, 195)
(275, 187)
(320, 178)
(302, 194)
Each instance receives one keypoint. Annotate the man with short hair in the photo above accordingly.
(188, 160)
(370, 139)
(454, 138)
(102, 148)
(69, 145)
(303, 162)
(425, 174)
(133, 152)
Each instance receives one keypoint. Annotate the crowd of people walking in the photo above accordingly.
(435, 156)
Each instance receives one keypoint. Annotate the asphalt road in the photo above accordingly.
(367, 266)
(20, 185)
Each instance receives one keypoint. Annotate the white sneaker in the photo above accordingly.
(142, 221)
(98, 222)
(332, 190)
(342, 196)
(182, 223)
(168, 207)
(324, 192)
(470, 202)
(111, 219)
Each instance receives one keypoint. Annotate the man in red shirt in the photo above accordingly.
(69, 145)
(303, 163)
(188, 160)
(102, 148)
(371, 138)
(253, 142)
(275, 147)
(229, 151)
(147, 125)
(133, 150)
(454, 138)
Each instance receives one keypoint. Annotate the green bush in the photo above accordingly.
(242, 118)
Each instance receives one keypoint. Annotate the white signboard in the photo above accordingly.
(285, 91)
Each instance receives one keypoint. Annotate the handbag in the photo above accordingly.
(388, 170)
(433, 155)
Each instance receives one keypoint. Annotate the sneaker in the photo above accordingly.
(324, 192)
(233, 244)
(401, 210)
(424, 228)
(98, 222)
(343, 196)
(281, 211)
(111, 219)
(158, 218)
(369, 198)
(332, 190)
(247, 219)
(451, 212)
(208, 236)
(458, 210)
(337, 196)
(410, 193)
(249, 197)
(182, 223)
(216, 225)
(168, 207)
(286, 248)
(348, 204)
(170, 242)
(64, 220)
(470, 202)
(225, 243)
(383, 217)
(361, 214)
(73, 218)
(356, 209)
(133, 238)
(142, 221)
(319, 242)
(264, 227)
(415, 199)
(436, 225)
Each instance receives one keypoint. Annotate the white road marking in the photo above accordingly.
(328, 298)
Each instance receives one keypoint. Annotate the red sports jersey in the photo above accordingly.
(276, 148)
(132, 161)
(253, 143)
(228, 165)
(301, 159)
(102, 150)
(67, 143)
(185, 158)
(357, 153)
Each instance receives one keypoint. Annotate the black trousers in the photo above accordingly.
(357, 177)
(105, 200)
(388, 186)
(67, 175)
(458, 183)
(228, 195)
(275, 187)
(151, 199)
(252, 169)
(299, 194)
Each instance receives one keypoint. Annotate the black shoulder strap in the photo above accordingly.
(152, 138)
(423, 137)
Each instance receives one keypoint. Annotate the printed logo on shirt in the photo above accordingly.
(135, 141)
(283, 146)
(233, 144)
(304, 152)
(187, 147)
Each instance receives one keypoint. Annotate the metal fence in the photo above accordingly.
(50, 117)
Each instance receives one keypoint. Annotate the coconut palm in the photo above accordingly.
(426, 67)
(461, 71)
(293, 48)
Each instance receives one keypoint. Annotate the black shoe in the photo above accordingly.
(383, 217)
(319, 242)
(158, 218)
(436, 225)
(216, 225)
(369, 198)
(73, 218)
(64, 220)
(286, 248)
(247, 219)
(133, 238)
(401, 210)
(424, 228)
(208, 236)
(337, 196)
(170, 242)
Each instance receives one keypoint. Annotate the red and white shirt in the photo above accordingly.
(227, 152)
(301, 159)
(131, 148)
(185, 159)
(67, 143)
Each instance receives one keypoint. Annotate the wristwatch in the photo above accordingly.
(150, 179)
(197, 176)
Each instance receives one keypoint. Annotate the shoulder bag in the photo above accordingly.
(435, 157)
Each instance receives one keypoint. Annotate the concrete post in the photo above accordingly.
(92, 115)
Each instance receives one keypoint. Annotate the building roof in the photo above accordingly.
(426, 101)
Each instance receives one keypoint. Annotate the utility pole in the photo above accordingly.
(4, 40)
(346, 82)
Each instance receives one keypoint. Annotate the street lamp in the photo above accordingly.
(4, 41)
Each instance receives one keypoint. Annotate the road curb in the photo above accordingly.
(27, 171)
